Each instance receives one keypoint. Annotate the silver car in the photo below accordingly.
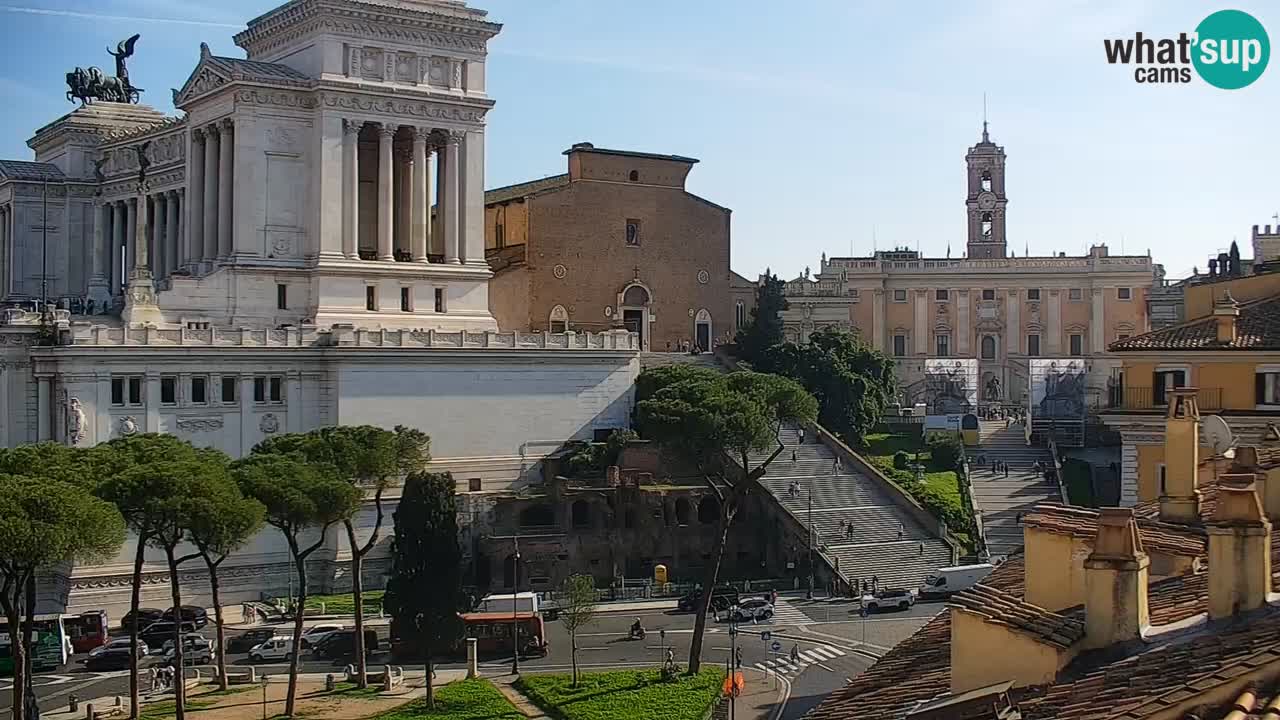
(753, 609)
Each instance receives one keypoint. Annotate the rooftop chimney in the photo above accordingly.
(1115, 576)
(1226, 314)
(1180, 501)
(1246, 461)
(1239, 548)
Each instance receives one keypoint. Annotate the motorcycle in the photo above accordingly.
(635, 634)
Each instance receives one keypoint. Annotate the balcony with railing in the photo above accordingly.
(1156, 400)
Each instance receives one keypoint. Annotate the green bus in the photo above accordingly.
(51, 645)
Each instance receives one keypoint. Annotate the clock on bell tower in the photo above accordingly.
(986, 202)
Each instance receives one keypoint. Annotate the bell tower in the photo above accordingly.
(986, 201)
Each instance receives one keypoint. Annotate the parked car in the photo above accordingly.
(342, 644)
(751, 609)
(245, 641)
(190, 613)
(121, 644)
(888, 599)
(146, 616)
(156, 633)
(194, 652)
(277, 648)
(108, 660)
(316, 634)
(721, 596)
(187, 638)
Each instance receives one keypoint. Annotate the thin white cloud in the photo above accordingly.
(122, 18)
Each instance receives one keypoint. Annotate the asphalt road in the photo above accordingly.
(827, 637)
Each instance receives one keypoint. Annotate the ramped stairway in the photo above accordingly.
(1003, 499)
(875, 548)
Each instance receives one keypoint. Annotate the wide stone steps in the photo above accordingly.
(886, 542)
(1004, 499)
(649, 360)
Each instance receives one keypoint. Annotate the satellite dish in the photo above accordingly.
(1218, 433)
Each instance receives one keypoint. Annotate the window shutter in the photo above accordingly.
(1260, 388)
(1157, 388)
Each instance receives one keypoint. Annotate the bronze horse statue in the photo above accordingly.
(92, 84)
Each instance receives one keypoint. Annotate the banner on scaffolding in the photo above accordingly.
(1058, 387)
(951, 386)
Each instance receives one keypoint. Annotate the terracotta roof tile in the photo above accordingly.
(1019, 615)
(1257, 328)
(1156, 536)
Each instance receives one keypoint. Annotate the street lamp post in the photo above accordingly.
(515, 608)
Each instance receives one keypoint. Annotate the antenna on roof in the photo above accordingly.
(984, 118)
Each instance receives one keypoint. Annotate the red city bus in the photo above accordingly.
(87, 630)
(492, 631)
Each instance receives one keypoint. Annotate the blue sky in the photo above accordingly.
(820, 125)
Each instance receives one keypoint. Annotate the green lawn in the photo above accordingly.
(939, 492)
(625, 694)
(342, 603)
(462, 700)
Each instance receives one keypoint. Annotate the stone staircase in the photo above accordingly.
(1003, 499)
(886, 543)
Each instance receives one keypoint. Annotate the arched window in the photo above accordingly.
(634, 176)
(559, 320)
(988, 347)
(986, 224)
(635, 296)
(708, 511)
(537, 515)
(683, 509)
(581, 514)
(986, 181)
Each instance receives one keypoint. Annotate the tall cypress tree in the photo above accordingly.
(765, 328)
(424, 593)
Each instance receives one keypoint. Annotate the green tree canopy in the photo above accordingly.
(764, 329)
(852, 382)
(51, 461)
(44, 523)
(715, 422)
(424, 593)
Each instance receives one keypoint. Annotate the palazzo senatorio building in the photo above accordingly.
(989, 305)
(268, 261)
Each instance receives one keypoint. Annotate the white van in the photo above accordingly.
(950, 580)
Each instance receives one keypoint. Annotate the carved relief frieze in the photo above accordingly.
(200, 424)
(355, 23)
(402, 108)
(279, 98)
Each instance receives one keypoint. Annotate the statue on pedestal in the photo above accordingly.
(92, 84)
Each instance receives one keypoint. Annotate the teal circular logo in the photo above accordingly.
(1231, 49)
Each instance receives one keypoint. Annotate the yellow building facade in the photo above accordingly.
(1230, 355)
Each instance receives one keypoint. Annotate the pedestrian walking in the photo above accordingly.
(848, 532)
(1006, 469)
(901, 530)
(793, 454)
(737, 657)
(801, 436)
(795, 653)
(921, 547)
(154, 676)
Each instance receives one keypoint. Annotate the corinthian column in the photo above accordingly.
(210, 216)
(119, 228)
(450, 204)
(194, 246)
(386, 134)
(351, 188)
(420, 203)
(226, 158)
(99, 291)
(171, 233)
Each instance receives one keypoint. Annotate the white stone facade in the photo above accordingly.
(305, 248)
